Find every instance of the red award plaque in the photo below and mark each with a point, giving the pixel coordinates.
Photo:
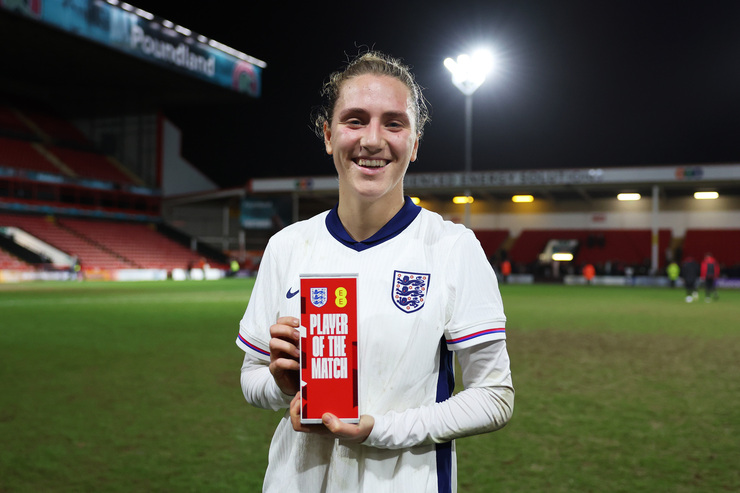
(329, 369)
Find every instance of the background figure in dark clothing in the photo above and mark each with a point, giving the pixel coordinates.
(690, 274)
(709, 274)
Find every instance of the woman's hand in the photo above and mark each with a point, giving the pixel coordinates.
(284, 354)
(332, 425)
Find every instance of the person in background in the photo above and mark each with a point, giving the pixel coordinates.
(709, 275)
(690, 274)
(506, 269)
(589, 272)
(233, 267)
(673, 271)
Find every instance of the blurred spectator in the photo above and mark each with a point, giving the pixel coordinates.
(506, 269)
(233, 268)
(690, 274)
(673, 271)
(588, 273)
(709, 275)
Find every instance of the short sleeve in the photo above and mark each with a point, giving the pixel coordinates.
(475, 312)
(262, 310)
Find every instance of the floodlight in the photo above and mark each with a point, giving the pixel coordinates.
(463, 199)
(183, 30)
(628, 196)
(706, 195)
(470, 71)
(143, 13)
(522, 198)
(562, 257)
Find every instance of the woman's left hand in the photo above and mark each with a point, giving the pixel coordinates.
(332, 425)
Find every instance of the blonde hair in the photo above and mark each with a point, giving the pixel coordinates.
(376, 63)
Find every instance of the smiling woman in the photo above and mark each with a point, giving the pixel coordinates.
(372, 139)
(424, 289)
(371, 123)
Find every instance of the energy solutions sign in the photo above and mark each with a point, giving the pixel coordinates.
(139, 33)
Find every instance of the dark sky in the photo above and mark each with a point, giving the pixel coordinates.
(581, 83)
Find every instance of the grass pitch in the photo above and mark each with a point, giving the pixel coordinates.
(112, 387)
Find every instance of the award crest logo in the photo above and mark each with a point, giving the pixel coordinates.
(409, 290)
(318, 297)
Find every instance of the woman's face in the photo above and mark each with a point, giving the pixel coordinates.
(372, 137)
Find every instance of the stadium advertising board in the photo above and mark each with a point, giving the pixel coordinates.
(141, 34)
(515, 178)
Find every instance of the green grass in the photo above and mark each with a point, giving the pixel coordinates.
(113, 387)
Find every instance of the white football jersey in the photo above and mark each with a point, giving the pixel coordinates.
(425, 288)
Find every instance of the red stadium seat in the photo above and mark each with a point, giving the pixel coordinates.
(627, 246)
(723, 244)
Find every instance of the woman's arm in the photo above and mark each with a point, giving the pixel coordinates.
(485, 405)
(259, 387)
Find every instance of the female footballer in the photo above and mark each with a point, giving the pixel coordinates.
(371, 124)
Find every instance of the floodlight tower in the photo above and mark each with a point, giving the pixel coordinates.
(468, 74)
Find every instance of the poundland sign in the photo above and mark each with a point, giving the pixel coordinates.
(143, 35)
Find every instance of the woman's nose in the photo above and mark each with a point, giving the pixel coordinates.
(372, 139)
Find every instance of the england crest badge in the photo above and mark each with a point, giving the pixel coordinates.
(409, 290)
(318, 297)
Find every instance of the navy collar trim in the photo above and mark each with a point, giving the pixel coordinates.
(393, 228)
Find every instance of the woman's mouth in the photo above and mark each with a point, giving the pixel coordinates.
(371, 163)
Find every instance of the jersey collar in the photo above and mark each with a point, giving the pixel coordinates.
(393, 228)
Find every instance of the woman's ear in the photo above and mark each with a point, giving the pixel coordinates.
(327, 138)
(416, 148)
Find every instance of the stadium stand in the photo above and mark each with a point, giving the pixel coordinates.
(8, 261)
(38, 140)
(47, 229)
(723, 244)
(32, 139)
(12, 125)
(598, 247)
(54, 128)
(138, 243)
(23, 154)
(109, 244)
(35, 145)
(90, 165)
(491, 240)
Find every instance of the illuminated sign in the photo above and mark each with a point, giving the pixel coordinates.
(145, 36)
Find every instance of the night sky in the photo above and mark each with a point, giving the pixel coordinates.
(580, 83)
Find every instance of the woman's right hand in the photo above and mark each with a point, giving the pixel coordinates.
(284, 354)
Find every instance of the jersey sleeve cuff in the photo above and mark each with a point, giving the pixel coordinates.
(476, 335)
(250, 346)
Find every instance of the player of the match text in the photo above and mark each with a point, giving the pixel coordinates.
(328, 345)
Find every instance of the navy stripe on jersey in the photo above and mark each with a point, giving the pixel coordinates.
(393, 228)
(476, 335)
(445, 386)
(252, 346)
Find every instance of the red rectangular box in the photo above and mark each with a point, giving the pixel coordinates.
(329, 369)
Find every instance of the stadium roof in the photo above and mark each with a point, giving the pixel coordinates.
(564, 184)
(43, 64)
(567, 186)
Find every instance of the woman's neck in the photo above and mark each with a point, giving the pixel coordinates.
(363, 219)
